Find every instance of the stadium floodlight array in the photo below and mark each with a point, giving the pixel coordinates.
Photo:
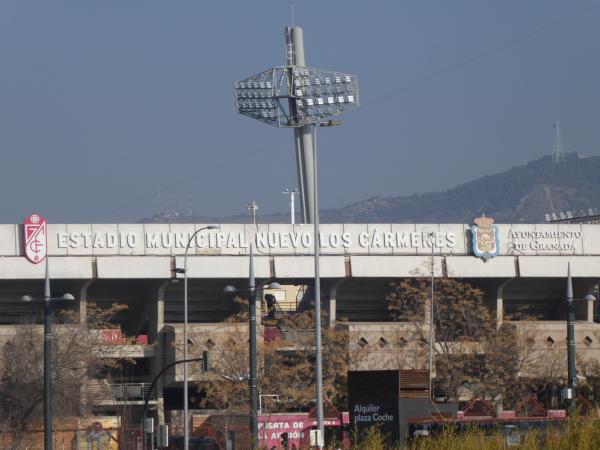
(294, 96)
(560, 216)
(570, 217)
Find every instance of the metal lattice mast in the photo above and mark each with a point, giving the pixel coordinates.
(559, 151)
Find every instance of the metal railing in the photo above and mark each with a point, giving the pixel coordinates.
(102, 392)
(131, 391)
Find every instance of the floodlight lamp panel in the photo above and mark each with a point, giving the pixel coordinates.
(316, 95)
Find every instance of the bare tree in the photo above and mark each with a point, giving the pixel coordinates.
(285, 363)
(473, 355)
(77, 352)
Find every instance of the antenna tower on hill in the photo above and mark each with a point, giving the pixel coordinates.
(559, 151)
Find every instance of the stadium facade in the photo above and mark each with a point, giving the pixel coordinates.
(520, 267)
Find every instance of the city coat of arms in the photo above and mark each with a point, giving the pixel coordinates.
(485, 238)
(35, 243)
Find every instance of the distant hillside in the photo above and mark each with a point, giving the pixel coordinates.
(520, 194)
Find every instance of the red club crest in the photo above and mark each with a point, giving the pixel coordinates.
(35, 242)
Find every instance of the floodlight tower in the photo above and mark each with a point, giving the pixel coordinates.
(302, 98)
(298, 97)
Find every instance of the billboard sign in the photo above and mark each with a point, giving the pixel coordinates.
(374, 398)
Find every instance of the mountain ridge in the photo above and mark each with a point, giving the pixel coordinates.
(520, 194)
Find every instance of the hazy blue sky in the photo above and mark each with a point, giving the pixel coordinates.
(104, 103)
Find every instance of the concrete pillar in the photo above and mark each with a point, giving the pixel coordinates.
(500, 302)
(584, 310)
(83, 300)
(593, 290)
(332, 302)
(590, 311)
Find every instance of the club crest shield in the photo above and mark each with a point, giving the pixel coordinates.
(35, 238)
(485, 238)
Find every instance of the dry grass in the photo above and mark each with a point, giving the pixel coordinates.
(578, 434)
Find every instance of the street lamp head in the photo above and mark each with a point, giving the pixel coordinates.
(27, 298)
(67, 296)
(274, 285)
(229, 289)
(589, 298)
(211, 227)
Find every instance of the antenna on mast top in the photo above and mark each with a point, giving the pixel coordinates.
(292, 8)
(559, 151)
(190, 211)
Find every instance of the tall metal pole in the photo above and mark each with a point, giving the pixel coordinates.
(572, 374)
(318, 344)
(186, 420)
(47, 364)
(303, 136)
(252, 350)
(292, 193)
(431, 322)
(293, 207)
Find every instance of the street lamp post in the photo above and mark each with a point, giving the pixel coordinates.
(431, 329)
(186, 430)
(252, 350)
(47, 356)
(252, 379)
(571, 369)
(318, 343)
